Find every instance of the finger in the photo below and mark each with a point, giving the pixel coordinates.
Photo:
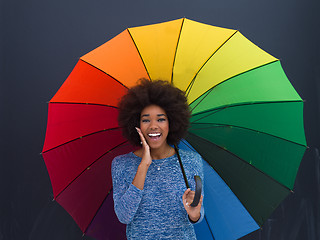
(187, 192)
(139, 132)
(143, 140)
(190, 196)
(201, 200)
(184, 196)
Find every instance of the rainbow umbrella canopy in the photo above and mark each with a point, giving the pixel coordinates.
(247, 123)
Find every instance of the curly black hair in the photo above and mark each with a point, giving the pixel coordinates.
(162, 94)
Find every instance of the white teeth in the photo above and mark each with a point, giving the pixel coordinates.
(154, 134)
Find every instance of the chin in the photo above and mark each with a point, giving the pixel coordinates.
(156, 145)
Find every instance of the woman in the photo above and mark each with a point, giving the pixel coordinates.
(148, 186)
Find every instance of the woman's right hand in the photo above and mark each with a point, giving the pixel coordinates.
(146, 160)
(146, 156)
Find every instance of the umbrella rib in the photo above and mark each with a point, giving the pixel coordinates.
(187, 145)
(205, 95)
(145, 67)
(103, 72)
(109, 129)
(218, 109)
(175, 54)
(205, 218)
(209, 91)
(245, 162)
(89, 167)
(194, 78)
(249, 129)
(84, 232)
(96, 104)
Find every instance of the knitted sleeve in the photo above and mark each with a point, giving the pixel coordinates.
(126, 196)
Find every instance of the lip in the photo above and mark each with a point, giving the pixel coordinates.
(154, 136)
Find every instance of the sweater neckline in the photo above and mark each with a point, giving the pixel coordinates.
(155, 160)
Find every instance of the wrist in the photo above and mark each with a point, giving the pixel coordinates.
(144, 165)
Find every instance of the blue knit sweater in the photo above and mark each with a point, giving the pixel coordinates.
(157, 211)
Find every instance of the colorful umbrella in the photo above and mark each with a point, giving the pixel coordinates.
(247, 123)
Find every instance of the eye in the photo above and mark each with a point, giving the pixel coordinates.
(145, 120)
(162, 120)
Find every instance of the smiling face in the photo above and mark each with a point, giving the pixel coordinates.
(154, 125)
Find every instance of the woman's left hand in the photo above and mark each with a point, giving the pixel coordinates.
(193, 212)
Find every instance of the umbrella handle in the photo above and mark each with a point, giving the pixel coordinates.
(198, 191)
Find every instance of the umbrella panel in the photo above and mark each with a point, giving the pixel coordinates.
(68, 122)
(226, 215)
(259, 193)
(157, 45)
(68, 161)
(236, 56)
(105, 225)
(121, 54)
(197, 43)
(267, 83)
(274, 118)
(86, 84)
(90, 189)
(275, 155)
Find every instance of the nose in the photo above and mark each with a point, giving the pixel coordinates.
(153, 125)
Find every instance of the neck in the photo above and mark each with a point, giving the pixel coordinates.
(160, 153)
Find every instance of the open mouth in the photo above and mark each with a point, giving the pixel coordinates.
(154, 136)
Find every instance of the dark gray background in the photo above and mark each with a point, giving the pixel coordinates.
(41, 42)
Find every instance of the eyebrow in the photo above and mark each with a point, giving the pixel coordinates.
(158, 115)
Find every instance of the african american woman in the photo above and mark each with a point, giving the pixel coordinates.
(149, 190)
